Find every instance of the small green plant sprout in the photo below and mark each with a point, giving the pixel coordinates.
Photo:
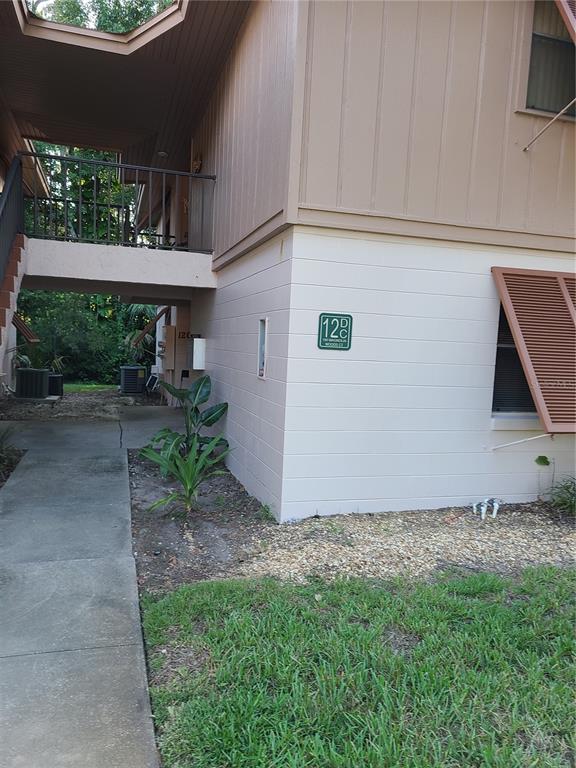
(265, 513)
(563, 496)
(189, 470)
(195, 418)
(542, 461)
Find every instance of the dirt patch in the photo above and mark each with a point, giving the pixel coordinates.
(171, 548)
(400, 642)
(173, 660)
(104, 404)
(230, 536)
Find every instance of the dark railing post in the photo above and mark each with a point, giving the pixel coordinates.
(65, 184)
(19, 195)
(177, 212)
(136, 190)
(165, 240)
(94, 194)
(189, 238)
(149, 205)
(80, 201)
(108, 211)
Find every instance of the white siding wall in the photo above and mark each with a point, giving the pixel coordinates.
(254, 287)
(403, 419)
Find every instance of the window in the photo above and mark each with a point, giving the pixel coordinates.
(551, 80)
(262, 344)
(511, 390)
(540, 306)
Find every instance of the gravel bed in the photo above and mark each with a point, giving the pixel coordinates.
(416, 543)
(229, 535)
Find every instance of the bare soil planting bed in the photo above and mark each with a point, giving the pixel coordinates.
(229, 535)
(99, 404)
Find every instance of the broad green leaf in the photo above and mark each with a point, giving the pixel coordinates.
(180, 394)
(161, 435)
(222, 443)
(200, 390)
(214, 413)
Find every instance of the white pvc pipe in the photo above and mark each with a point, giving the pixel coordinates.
(517, 442)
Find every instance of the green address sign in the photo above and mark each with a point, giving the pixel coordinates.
(334, 331)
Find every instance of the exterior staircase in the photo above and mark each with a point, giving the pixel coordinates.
(12, 256)
(9, 289)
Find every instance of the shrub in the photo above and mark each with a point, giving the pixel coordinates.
(563, 496)
(195, 418)
(188, 470)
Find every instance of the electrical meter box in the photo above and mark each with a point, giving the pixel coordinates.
(198, 354)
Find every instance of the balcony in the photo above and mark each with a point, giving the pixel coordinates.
(79, 200)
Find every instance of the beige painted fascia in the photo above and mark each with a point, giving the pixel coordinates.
(268, 229)
(104, 41)
(369, 221)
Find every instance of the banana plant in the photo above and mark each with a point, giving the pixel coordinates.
(195, 418)
(188, 470)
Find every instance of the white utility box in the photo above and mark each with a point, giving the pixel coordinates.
(198, 354)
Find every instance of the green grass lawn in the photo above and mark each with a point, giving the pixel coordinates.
(466, 672)
(86, 386)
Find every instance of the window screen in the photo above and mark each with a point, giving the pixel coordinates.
(511, 390)
(551, 81)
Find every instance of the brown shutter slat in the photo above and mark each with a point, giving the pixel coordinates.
(541, 310)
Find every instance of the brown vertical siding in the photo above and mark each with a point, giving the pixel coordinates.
(244, 135)
(411, 112)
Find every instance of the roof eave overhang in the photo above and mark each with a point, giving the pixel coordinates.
(104, 41)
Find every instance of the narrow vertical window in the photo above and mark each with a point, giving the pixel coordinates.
(262, 344)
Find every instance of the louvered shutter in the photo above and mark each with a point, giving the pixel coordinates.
(541, 311)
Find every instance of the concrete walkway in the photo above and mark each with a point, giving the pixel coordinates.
(73, 689)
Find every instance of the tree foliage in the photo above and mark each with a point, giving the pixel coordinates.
(88, 201)
(117, 16)
(89, 331)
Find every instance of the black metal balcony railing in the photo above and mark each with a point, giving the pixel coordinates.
(95, 201)
(10, 212)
